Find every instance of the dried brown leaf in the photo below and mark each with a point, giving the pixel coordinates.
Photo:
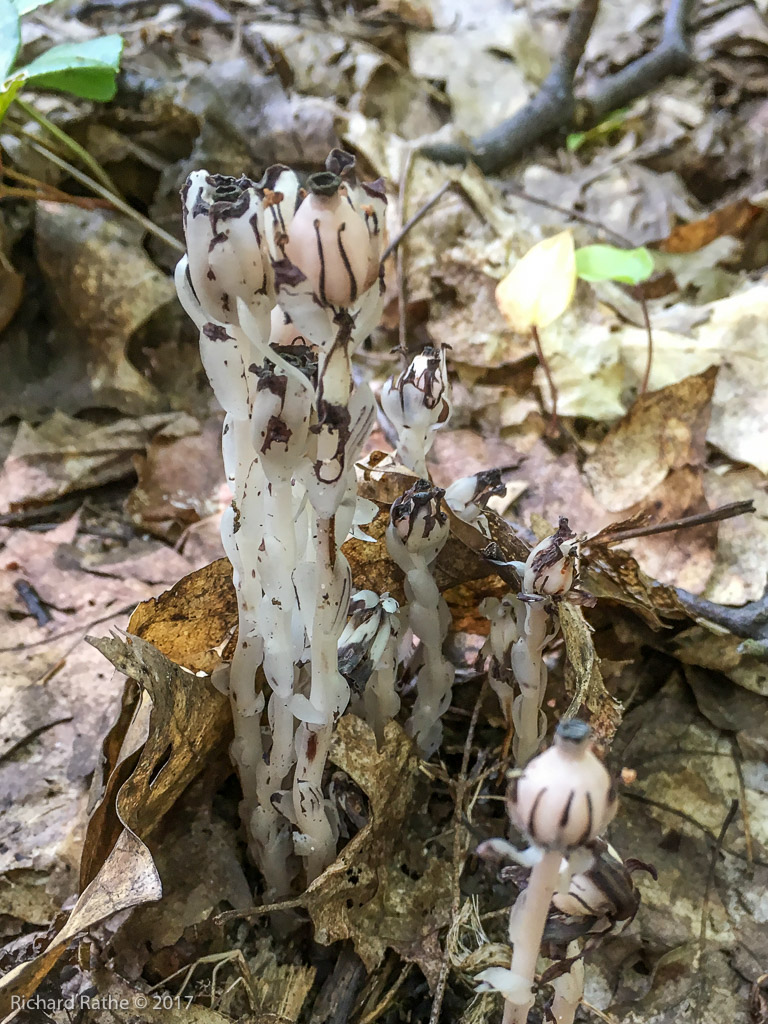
(127, 879)
(374, 893)
(664, 430)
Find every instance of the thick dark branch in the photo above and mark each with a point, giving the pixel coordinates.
(556, 108)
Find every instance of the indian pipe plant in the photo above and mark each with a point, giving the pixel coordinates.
(284, 282)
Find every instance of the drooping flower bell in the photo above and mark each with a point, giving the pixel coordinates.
(419, 520)
(551, 568)
(565, 797)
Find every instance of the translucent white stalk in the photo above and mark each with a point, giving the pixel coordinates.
(417, 532)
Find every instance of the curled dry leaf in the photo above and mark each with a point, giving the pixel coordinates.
(127, 879)
(375, 893)
(146, 769)
(583, 662)
(189, 722)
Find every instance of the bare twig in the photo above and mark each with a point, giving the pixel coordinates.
(414, 220)
(555, 107)
(705, 902)
(715, 515)
(750, 621)
(547, 372)
(118, 203)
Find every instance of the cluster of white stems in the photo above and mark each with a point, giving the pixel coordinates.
(283, 283)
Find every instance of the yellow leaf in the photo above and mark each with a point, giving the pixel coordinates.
(539, 288)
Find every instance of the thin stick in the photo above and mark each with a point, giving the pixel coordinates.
(705, 902)
(715, 515)
(743, 802)
(118, 203)
(414, 220)
(400, 260)
(647, 322)
(547, 372)
(386, 1002)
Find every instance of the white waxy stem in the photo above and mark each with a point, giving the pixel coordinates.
(416, 534)
(417, 403)
(561, 801)
(568, 989)
(521, 629)
(292, 433)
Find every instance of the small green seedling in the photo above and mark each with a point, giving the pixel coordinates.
(85, 69)
(607, 263)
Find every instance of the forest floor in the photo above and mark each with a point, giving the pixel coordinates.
(111, 492)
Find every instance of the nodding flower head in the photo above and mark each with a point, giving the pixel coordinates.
(417, 399)
(223, 225)
(334, 239)
(418, 518)
(552, 567)
(469, 496)
(564, 797)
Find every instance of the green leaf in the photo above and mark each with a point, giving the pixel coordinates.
(607, 263)
(25, 6)
(10, 38)
(85, 69)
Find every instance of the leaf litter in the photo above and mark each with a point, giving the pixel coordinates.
(117, 390)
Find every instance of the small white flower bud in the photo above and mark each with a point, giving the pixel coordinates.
(564, 797)
(418, 519)
(224, 231)
(551, 568)
(469, 496)
(417, 399)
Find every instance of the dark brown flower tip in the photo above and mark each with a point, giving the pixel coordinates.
(341, 163)
(324, 183)
(573, 730)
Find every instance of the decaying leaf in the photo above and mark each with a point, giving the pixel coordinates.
(64, 454)
(378, 892)
(589, 689)
(187, 622)
(127, 879)
(664, 430)
(188, 723)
